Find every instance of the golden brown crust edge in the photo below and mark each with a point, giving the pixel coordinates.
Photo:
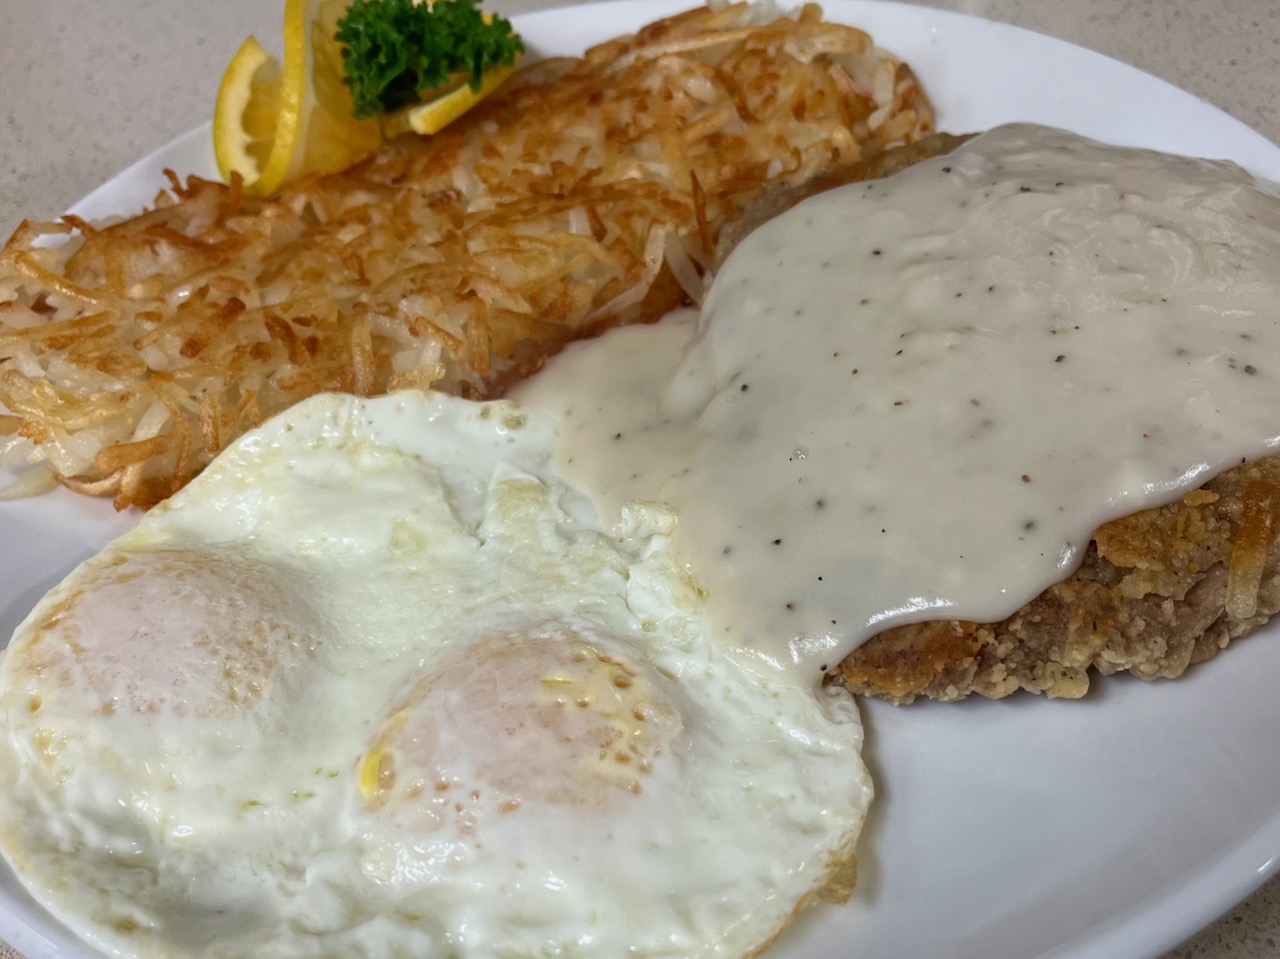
(1158, 592)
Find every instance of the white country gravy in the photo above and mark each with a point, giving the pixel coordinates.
(915, 398)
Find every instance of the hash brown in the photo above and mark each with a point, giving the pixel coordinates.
(587, 192)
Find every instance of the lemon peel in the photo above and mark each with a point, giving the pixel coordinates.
(434, 115)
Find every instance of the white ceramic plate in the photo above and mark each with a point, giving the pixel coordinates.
(1110, 827)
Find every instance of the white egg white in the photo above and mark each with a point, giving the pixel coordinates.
(378, 684)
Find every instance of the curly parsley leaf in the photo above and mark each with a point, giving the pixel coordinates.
(394, 49)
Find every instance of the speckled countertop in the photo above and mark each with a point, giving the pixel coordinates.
(89, 86)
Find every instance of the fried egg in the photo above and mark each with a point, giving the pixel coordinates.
(380, 684)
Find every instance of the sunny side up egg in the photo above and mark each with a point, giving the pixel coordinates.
(378, 684)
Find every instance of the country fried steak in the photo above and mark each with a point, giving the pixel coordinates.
(1157, 591)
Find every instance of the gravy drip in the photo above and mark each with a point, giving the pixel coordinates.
(915, 398)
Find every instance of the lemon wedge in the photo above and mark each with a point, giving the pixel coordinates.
(437, 113)
(274, 122)
(244, 118)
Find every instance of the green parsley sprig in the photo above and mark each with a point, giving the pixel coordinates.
(394, 49)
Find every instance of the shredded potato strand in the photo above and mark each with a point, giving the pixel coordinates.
(587, 193)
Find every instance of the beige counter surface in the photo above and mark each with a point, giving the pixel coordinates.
(89, 86)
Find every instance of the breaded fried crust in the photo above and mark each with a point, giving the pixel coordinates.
(1158, 591)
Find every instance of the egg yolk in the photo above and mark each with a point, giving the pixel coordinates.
(182, 632)
(555, 719)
